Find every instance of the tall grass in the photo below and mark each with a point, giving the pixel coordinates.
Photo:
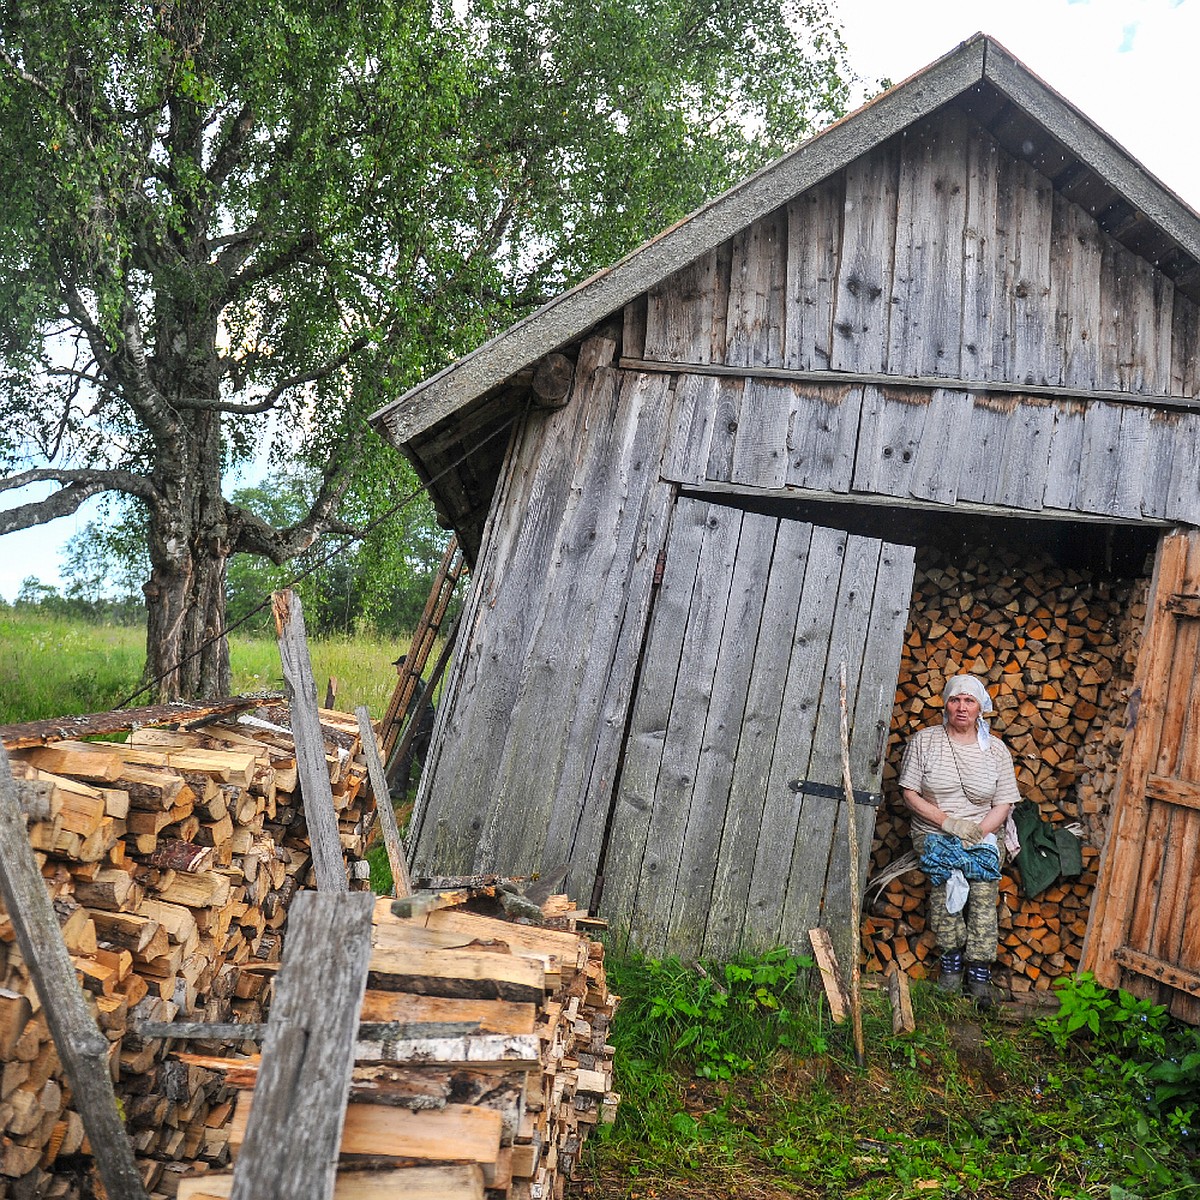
(55, 666)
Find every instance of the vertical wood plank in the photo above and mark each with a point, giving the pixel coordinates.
(814, 224)
(1034, 353)
(760, 451)
(647, 735)
(1112, 460)
(1164, 432)
(925, 330)
(864, 285)
(979, 478)
(871, 689)
(725, 426)
(1185, 347)
(798, 714)
(749, 787)
(890, 431)
(942, 447)
(757, 289)
(813, 850)
(1066, 449)
(695, 409)
(295, 1127)
(823, 437)
(1183, 495)
(707, 810)
(1075, 292)
(679, 314)
(693, 688)
(1025, 461)
(981, 307)
(319, 814)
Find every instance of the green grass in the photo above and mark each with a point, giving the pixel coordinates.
(52, 666)
(735, 1084)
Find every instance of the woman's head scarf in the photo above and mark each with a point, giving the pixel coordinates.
(956, 685)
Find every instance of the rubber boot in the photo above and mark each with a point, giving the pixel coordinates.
(979, 984)
(950, 975)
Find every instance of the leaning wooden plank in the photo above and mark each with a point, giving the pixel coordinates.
(472, 974)
(82, 1048)
(459, 1181)
(319, 813)
(292, 1143)
(902, 1012)
(58, 729)
(397, 857)
(456, 1133)
(831, 975)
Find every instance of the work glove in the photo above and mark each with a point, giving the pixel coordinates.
(967, 832)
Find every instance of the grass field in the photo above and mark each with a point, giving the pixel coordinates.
(54, 666)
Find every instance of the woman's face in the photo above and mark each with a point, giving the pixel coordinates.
(963, 712)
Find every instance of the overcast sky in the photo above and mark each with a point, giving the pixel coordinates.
(1130, 65)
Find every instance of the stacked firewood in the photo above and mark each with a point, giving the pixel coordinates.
(1055, 648)
(170, 861)
(496, 1068)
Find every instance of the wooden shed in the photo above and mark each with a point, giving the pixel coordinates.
(696, 484)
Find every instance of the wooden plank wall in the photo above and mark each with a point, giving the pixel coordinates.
(531, 726)
(938, 255)
(715, 844)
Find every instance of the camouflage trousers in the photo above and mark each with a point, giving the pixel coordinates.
(975, 930)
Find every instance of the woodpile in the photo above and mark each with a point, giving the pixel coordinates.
(494, 1068)
(1055, 648)
(171, 861)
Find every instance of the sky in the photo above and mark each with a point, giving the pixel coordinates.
(1129, 65)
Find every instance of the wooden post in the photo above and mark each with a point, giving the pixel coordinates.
(299, 1107)
(401, 883)
(319, 813)
(81, 1046)
(855, 899)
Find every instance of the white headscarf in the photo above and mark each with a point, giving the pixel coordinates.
(956, 685)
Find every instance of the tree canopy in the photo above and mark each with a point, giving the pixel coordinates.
(229, 230)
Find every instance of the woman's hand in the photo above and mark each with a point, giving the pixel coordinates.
(967, 832)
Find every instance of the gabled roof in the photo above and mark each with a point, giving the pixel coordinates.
(1028, 118)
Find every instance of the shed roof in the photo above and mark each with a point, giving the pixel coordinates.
(1020, 110)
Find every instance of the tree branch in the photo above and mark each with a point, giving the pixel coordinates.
(78, 486)
(284, 385)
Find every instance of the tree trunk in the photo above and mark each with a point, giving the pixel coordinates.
(187, 653)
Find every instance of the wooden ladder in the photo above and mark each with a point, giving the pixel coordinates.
(451, 569)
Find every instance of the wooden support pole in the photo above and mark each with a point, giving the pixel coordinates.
(319, 813)
(855, 898)
(401, 883)
(81, 1046)
(295, 1127)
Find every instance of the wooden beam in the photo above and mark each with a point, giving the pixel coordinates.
(903, 1020)
(831, 974)
(300, 685)
(290, 1151)
(397, 858)
(1173, 791)
(82, 1048)
(711, 491)
(921, 382)
(66, 729)
(1157, 968)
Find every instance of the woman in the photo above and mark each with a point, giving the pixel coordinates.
(958, 781)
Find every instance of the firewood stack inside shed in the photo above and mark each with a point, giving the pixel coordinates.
(1055, 647)
(171, 861)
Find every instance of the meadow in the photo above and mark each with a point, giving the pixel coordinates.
(57, 666)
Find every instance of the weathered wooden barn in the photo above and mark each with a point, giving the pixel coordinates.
(696, 484)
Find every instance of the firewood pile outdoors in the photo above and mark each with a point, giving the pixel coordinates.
(1056, 649)
(482, 1061)
(171, 861)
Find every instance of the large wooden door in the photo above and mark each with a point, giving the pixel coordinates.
(729, 824)
(1144, 930)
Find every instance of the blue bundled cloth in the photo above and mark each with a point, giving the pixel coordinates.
(943, 855)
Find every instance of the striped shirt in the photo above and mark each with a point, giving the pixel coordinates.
(963, 781)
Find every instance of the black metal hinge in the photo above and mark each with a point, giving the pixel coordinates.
(829, 791)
